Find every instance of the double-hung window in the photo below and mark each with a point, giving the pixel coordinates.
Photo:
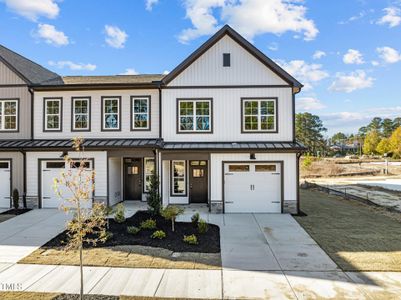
(259, 115)
(195, 116)
(8, 115)
(53, 114)
(111, 113)
(148, 170)
(81, 114)
(178, 175)
(140, 110)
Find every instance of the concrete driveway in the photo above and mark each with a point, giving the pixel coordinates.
(25, 233)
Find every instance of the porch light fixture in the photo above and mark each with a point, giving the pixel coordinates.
(252, 156)
(63, 154)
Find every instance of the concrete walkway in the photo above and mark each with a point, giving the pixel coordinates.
(264, 257)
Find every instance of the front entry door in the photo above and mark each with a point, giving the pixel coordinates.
(198, 183)
(132, 179)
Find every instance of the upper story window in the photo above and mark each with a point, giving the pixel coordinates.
(8, 115)
(53, 114)
(259, 115)
(111, 113)
(80, 114)
(140, 110)
(226, 59)
(195, 116)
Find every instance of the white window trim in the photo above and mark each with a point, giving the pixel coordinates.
(81, 114)
(172, 178)
(145, 189)
(117, 113)
(274, 100)
(59, 114)
(134, 113)
(3, 116)
(194, 115)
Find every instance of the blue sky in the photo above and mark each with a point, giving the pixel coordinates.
(346, 52)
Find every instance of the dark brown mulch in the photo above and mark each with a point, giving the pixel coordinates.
(15, 212)
(208, 242)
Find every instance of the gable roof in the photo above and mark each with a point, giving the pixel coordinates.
(31, 72)
(227, 30)
(113, 79)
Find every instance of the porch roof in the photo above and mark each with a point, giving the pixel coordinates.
(272, 146)
(88, 143)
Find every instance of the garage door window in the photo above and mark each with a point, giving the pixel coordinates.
(55, 165)
(178, 178)
(77, 165)
(265, 168)
(3, 165)
(238, 168)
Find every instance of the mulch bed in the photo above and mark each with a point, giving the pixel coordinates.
(208, 242)
(15, 212)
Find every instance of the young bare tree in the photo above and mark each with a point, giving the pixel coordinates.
(75, 187)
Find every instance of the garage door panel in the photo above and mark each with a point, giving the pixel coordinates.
(253, 187)
(5, 180)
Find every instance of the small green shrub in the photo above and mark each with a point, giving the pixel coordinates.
(108, 235)
(148, 224)
(119, 215)
(195, 219)
(15, 199)
(307, 162)
(158, 234)
(190, 239)
(133, 230)
(203, 226)
(170, 213)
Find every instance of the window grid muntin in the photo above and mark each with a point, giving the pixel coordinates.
(260, 110)
(140, 113)
(53, 113)
(8, 115)
(196, 114)
(80, 115)
(179, 177)
(114, 110)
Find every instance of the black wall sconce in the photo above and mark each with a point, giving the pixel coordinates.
(252, 156)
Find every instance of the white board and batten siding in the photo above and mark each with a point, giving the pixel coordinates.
(227, 114)
(100, 167)
(289, 180)
(96, 117)
(245, 69)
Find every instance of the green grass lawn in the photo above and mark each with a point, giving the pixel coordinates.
(358, 237)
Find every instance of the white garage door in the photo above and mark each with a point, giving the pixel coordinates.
(51, 170)
(5, 178)
(252, 187)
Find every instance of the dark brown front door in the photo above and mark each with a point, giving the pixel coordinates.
(132, 179)
(198, 181)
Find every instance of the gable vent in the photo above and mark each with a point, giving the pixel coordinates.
(226, 59)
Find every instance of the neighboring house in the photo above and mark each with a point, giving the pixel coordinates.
(219, 129)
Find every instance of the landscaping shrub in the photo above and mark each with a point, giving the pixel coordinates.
(148, 224)
(203, 227)
(190, 239)
(119, 215)
(133, 230)
(108, 236)
(153, 196)
(158, 234)
(170, 213)
(195, 219)
(15, 199)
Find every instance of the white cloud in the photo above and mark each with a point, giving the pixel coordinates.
(273, 46)
(249, 17)
(306, 73)
(72, 66)
(129, 71)
(389, 55)
(392, 17)
(115, 37)
(353, 57)
(51, 35)
(165, 72)
(150, 3)
(374, 63)
(318, 54)
(354, 81)
(33, 9)
(308, 104)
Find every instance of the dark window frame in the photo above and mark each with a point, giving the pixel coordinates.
(17, 123)
(226, 60)
(60, 99)
(73, 99)
(132, 119)
(103, 98)
(211, 112)
(276, 118)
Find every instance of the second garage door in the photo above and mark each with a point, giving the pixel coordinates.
(252, 187)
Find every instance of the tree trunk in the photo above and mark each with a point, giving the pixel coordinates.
(81, 294)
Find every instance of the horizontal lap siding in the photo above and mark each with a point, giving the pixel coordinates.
(100, 159)
(227, 114)
(290, 180)
(96, 116)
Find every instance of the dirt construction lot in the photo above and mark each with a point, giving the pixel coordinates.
(356, 236)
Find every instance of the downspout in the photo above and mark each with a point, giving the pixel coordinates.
(299, 154)
(32, 112)
(24, 177)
